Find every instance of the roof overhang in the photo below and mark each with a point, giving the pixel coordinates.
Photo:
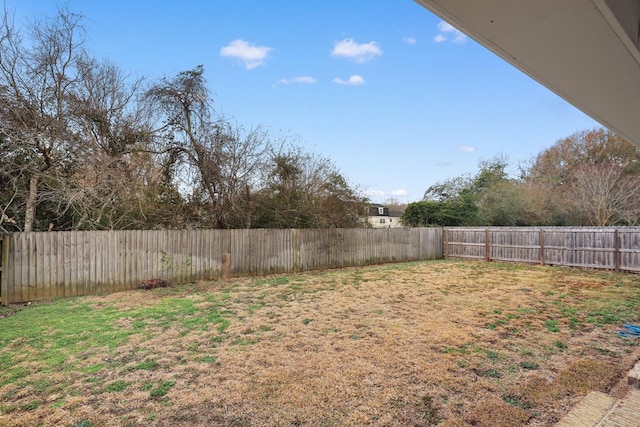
(586, 51)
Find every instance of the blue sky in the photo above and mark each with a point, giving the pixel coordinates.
(396, 98)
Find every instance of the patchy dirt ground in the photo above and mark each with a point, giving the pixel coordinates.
(435, 343)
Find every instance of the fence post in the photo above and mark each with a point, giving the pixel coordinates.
(446, 243)
(487, 247)
(4, 269)
(542, 246)
(616, 249)
(226, 266)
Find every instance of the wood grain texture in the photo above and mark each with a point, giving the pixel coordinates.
(42, 265)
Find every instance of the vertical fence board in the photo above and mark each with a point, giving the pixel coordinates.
(78, 264)
(137, 255)
(108, 268)
(19, 267)
(31, 269)
(4, 273)
(58, 264)
(37, 257)
(88, 258)
(129, 255)
(167, 246)
(211, 242)
(153, 254)
(13, 287)
(57, 275)
(46, 266)
(98, 248)
(66, 264)
(142, 258)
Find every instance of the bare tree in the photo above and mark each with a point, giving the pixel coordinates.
(577, 180)
(37, 78)
(394, 204)
(113, 169)
(75, 138)
(218, 161)
(605, 194)
(12, 182)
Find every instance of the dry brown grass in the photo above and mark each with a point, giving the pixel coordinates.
(435, 343)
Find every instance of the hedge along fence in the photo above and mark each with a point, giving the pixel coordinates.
(43, 265)
(611, 248)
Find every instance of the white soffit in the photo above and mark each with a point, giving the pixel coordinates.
(586, 51)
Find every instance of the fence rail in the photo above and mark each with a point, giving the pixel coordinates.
(611, 248)
(47, 265)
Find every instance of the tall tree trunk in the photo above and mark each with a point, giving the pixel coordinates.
(30, 210)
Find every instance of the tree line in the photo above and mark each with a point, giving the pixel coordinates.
(589, 178)
(85, 145)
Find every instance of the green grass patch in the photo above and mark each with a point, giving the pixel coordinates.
(492, 355)
(551, 325)
(117, 386)
(39, 385)
(147, 365)
(243, 342)
(59, 334)
(602, 317)
(13, 375)
(92, 369)
(54, 332)
(463, 349)
(529, 365)
(161, 389)
(272, 281)
(255, 307)
(31, 406)
(488, 373)
(82, 423)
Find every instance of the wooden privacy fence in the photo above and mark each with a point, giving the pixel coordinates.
(47, 265)
(611, 248)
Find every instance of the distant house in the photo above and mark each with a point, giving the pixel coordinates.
(380, 217)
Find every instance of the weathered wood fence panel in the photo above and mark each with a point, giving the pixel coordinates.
(611, 248)
(58, 264)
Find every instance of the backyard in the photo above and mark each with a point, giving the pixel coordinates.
(447, 343)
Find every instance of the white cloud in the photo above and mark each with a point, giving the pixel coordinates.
(459, 38)
(399, 193)
(354, 80)
(409, 40)
(250, 55)
(466, 149)
(358, 52)
(445, 27)
(439, 38)
(447, 31)
(301, 79)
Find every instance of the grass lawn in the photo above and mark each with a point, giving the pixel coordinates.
(445, 343)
